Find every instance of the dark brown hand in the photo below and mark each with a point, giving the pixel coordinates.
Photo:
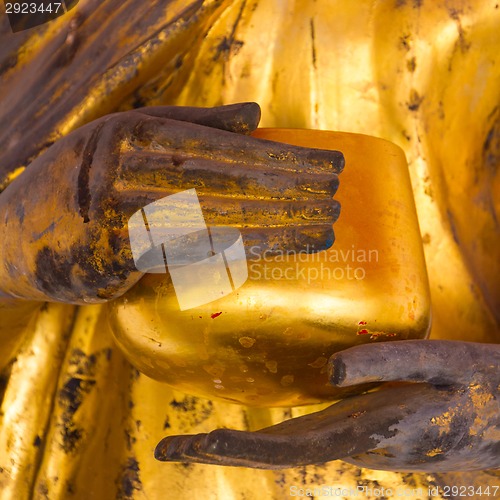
(63, 222)
(446, 419)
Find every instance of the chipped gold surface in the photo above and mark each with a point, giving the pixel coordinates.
(485, 407)
(434, 452)
(443, 421)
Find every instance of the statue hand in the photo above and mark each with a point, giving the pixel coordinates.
(64, 220)
(446, 419)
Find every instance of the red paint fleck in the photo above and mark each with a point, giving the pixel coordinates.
(391, 334)
(363, 332)
(214, 315)
(362, 323)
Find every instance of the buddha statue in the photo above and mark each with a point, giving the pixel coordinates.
(113, 106)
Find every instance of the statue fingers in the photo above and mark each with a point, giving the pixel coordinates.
(439, 362)
(350, 427)
(227, 174)
(279, 205)
(188, 139)
(242, 118)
